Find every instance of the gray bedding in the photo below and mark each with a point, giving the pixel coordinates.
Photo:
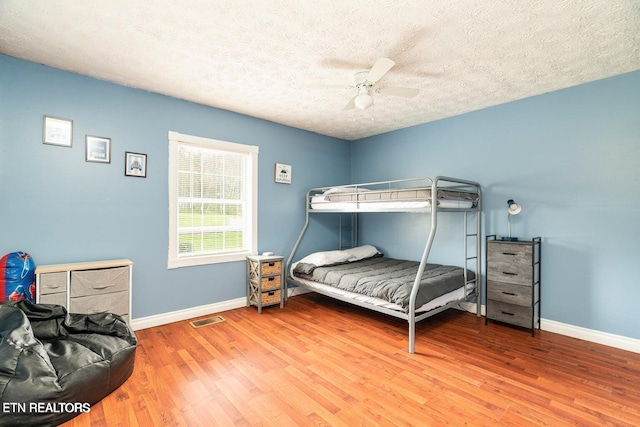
(387, 278)
(406, 194)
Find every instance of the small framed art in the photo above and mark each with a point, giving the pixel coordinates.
(283, 173)
(135, 164)
(98, 149)
(57, 131)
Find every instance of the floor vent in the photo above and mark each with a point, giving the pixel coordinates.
(207, 321)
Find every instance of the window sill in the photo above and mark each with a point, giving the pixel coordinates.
(206, 260)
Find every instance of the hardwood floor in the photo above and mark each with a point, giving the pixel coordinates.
(321, 362)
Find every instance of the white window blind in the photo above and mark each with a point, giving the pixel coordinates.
(213, 193)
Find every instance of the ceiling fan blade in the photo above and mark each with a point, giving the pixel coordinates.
(405, 92)
(379, 69)
(351, 104)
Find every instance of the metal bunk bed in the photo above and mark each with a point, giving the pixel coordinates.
(410, 195)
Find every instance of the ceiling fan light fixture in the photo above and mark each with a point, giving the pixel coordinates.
(364, 101)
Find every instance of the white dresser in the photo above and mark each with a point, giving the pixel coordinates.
(87, 287)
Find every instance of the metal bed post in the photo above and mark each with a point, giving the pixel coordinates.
(477, 257)
(352, 226)
(295, 246)
(478, 252)
(423, 263)
(427, 250)
(466, 252)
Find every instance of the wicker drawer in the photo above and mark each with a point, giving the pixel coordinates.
(270, 297)
(102, 281)
(53, 283)
(60, 299)
(273, 267)
(510, 313)
(269, 283)
(116, 302)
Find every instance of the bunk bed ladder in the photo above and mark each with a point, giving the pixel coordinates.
(348, 230)
(474, 257)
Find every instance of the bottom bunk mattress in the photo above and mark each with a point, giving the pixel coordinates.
(445, 299)
(386, 282)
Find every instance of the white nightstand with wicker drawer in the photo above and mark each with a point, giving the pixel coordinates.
(265, 281)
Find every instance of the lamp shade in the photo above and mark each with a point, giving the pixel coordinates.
(514, 208)
(364, 101)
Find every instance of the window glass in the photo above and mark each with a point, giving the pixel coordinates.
(212, 200)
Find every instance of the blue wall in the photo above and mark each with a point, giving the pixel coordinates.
(571, 158)
(60, 208)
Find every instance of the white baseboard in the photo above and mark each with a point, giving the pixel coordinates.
(189, 313)
(611, 340)
(605, 338)
(203, 310)
(471, 307)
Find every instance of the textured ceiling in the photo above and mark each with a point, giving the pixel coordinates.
(265, 58)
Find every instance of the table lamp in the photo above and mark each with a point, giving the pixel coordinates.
(513, 208)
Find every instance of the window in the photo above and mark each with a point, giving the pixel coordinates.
(212, 200)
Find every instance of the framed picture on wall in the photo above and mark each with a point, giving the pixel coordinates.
(57, 131)
(98, 149)
(135, 164)
(283, 173)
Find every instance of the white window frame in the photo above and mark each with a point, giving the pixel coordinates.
(176, 140)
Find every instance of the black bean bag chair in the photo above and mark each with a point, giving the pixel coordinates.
(55, 365)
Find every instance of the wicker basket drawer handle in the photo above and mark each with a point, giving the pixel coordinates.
(271, 264)
(271, 279)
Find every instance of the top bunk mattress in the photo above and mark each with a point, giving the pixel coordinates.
(357, 198)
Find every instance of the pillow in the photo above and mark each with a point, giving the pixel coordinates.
(336, 190)
(326, 258)
(362, 252)
(302, 269)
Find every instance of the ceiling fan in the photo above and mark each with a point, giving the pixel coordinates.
(365, 80)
